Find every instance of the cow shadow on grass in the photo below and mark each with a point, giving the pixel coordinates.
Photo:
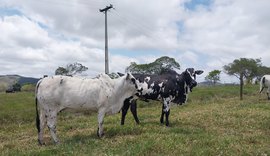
(114, 132)
(176, 127)
(146, 126)
(81, 139)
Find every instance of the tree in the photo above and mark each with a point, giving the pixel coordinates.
(71, 69)
(113, 75)
(61, 71)
(213, 76)
(262, 70)
(158, 66)
(244, 69)
(17, 87)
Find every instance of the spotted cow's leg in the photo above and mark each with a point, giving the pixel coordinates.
(166, 103)
(162, 114)
(101, 114)
(51, 123)
(167, 117)
(125, 110)
(133, 109)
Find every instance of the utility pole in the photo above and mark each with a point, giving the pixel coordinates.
(106, 38)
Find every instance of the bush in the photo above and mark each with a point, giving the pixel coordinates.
(3, 87)
(28, 87)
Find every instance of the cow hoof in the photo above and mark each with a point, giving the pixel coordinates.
(161, 121)
(41, 143)
(137, 121)
(57, 142)
(100, 134)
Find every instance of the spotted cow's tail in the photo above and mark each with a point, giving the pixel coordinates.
(262, 84)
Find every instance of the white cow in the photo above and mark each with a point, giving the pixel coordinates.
(102, 94)
(265, 83)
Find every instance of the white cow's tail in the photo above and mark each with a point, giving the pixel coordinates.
(37, 112)
(37, 116)
(262, 84)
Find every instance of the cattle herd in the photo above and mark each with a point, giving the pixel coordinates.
(109, 96)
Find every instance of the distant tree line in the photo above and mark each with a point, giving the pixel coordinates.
(71, 69)
(160, 65)
(245, 69)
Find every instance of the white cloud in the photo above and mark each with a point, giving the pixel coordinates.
(22, 32)
(47, 34)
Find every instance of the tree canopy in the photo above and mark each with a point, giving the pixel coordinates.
(248, 68)
(71, 69)
(158, 66)
(262, 70)
(243, 68)
(213, 76)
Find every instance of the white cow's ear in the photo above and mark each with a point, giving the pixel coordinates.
(120, 74)
(128, 76)
(198, 72)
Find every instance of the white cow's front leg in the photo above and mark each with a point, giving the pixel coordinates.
(51, 123)
(101, 115)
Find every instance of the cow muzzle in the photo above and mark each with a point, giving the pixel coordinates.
(139, 92)
(193, 84)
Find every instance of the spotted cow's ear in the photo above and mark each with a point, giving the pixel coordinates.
(177, 77)
(198, 72)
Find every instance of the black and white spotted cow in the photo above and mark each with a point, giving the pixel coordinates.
(101, 94)
(265, 83)
(167, 87)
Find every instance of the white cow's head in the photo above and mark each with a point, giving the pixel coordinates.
(132, 82)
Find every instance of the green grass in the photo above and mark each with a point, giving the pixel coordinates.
(214, 122)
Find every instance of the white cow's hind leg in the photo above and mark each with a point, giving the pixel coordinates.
(268, 91)
(51, 123)
(101, 115)
(41, 125)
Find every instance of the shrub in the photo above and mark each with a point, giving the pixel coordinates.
(28, 87)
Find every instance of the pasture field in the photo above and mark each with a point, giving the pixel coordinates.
(214, 122)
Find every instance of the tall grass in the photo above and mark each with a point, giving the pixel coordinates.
(214, 122)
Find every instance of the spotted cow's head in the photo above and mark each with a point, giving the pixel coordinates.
(190, 77)
(185, 82)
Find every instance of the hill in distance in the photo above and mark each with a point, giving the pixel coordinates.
(8, 80)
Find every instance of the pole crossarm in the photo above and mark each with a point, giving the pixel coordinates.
(106, 9)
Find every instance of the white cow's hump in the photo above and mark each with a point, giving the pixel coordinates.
(267, 77)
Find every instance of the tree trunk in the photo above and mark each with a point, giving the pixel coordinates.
(241, 86)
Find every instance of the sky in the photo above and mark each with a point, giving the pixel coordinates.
(39, 36)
